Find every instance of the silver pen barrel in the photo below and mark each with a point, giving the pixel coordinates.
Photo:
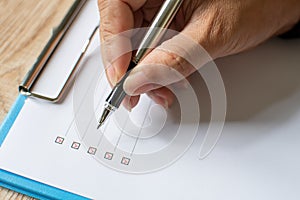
(158, 27)
(115, 98)
(117, 94)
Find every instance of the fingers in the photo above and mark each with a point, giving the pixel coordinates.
(116, 17)
(162, 96)
(130, 102)
(171, 62)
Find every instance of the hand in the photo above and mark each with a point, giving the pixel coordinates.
(221, 27)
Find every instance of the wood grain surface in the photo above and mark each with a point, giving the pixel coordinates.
(25, 28)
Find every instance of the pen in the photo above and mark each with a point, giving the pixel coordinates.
(155, 32)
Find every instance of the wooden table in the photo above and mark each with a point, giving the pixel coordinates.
(25, 27)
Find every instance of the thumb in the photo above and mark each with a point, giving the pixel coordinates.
(169, 63)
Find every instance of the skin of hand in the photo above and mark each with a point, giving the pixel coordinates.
(221, 27)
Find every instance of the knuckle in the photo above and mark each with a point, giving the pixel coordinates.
(108, 27)
(103, 5)
(177, 62)
(105, 30)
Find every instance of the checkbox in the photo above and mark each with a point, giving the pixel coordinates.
(75, 145)
(125, 161)
(92, 150)
(108, 156)
(59, 140)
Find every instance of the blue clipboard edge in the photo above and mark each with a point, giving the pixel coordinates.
(11, 117)
(19, 183)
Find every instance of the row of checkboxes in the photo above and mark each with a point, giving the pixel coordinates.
(60, 140)
(109, 156)
(92, 150)
(76, 145)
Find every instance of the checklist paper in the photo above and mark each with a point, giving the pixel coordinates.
(257, 156)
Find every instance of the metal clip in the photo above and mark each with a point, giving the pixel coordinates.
(32, 76)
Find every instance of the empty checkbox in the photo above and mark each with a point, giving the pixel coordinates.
(75, 145)
(59, 140)
(108, 156)
(125, 161)
(92, 150)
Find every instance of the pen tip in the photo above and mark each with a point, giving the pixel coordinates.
(99, 125)
(104, 116)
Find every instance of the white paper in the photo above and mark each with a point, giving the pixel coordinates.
(257, 156)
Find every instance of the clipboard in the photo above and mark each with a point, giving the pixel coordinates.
(232, 171)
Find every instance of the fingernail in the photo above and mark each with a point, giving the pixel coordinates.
(184, 84)
(133, 82)
(127, 107)
(112, 75)
(158, 99)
